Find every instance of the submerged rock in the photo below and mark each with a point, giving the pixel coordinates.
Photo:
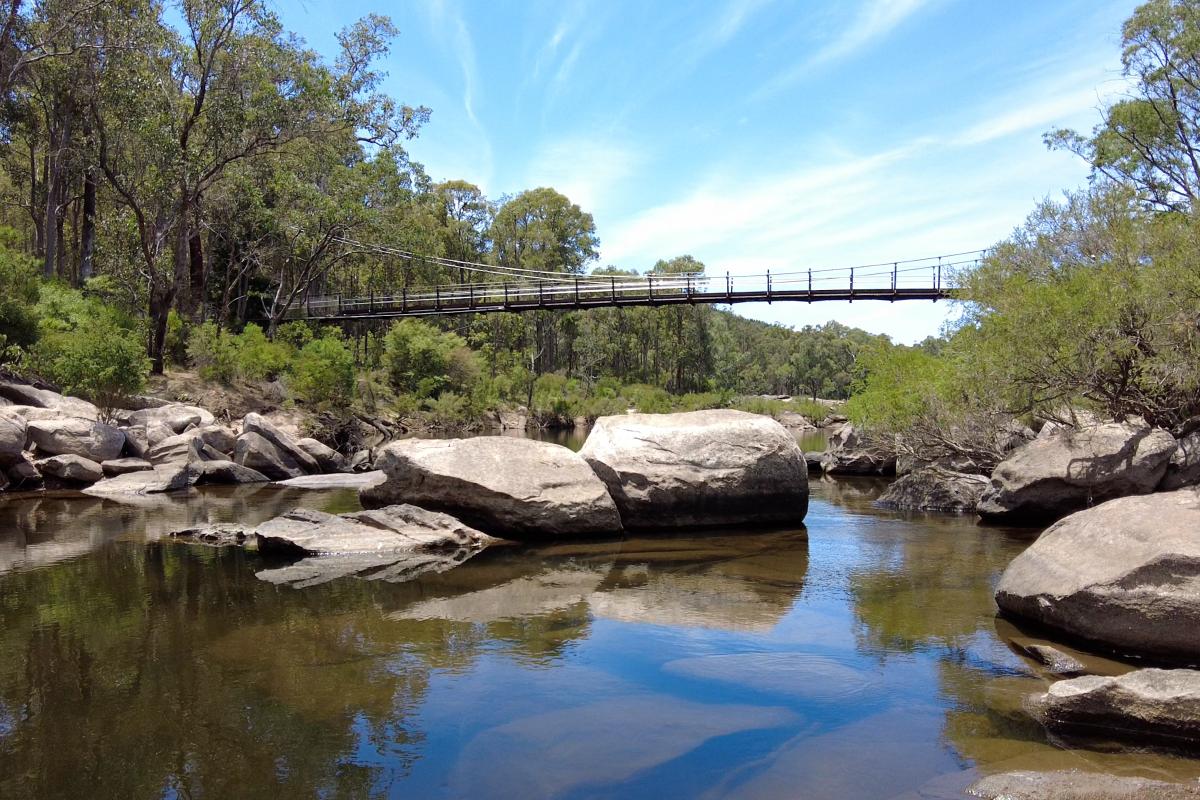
(1076, 785)
(1125, 574)
(519, 488)
(1158, 705)
(93, 440)
(934, 489)
(1072, 469)
(1056, 661)
(721, 467)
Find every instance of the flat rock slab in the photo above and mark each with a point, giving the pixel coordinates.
(1076, 785)
(165, 478)
(934, 489)
(1070, 469)
(121, 466)
(392, 529)
(350, 480)
(1125, 574)
(518, 488)
(1146, 705)
(702, 468)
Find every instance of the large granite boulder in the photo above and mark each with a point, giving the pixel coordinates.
(1075, 785)
(1184, 467)
(223, 471)
(721, 467)
(518, 488)
(176, 416)
(141, 439)
(210, 442)
(1123, 574)
(258, 453)
(163, 478)
(93, 440)
(1146, 705)
(328, 459)
(25, 395)
(849, 452)
(12, 438)
(70, 467)
(934, 489)
(1072, 469)
(284, 443)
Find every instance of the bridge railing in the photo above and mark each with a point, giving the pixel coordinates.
(597, 290)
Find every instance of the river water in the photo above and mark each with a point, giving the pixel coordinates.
(858, 657)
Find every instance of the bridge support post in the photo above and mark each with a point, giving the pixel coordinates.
(810, 285)
(650, 289)
(852, 284)
(404, 300)
(894, 275)
(728, 288)
(506, 294)
(613, 285)
(339, 304)
(437, 297)
(577, 292)
(371, 302)
(768, 286)
(470, 296)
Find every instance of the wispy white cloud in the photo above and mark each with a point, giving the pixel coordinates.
(874, 20)
(448, 23)
(585, 169)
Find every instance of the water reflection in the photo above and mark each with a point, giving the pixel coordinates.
(860, 658)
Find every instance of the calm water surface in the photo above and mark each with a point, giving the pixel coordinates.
(859, 658)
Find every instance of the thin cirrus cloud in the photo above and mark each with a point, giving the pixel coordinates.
(874, 20)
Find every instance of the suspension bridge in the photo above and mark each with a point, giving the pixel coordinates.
(506, 289)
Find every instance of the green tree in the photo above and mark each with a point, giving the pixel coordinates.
(1151, 140)
(540, 229)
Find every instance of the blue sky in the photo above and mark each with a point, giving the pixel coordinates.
(757, 134)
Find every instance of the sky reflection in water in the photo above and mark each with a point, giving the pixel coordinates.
(859, 659)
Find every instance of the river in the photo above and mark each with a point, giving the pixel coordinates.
(857, 658)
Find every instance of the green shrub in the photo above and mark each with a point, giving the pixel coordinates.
(214, 353)
(295, 334)
(19, 279)
(175, 347)
(258, 358)
(420, 359)
(323, 373)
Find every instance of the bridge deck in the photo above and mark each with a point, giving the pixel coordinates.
(494, 298)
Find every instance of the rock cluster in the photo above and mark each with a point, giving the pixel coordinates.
(637, 471)
(47, 439)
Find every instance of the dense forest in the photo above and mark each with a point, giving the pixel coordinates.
(177, 176)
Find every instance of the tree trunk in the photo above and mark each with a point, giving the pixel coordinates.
(87, 240)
